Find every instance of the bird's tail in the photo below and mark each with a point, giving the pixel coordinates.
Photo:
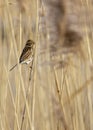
(13, 67)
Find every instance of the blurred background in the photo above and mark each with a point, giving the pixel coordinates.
(59, 95)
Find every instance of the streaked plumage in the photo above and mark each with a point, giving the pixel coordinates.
(27, 54)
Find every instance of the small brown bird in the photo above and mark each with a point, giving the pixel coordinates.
(27, 54)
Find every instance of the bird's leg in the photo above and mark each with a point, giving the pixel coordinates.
(30, 72)
(31, 67)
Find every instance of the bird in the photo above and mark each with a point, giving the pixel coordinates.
(27, 54)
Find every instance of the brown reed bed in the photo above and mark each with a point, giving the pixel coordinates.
(59, 95)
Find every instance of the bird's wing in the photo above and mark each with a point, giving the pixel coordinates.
(26, 53)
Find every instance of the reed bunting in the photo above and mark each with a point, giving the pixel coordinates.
(27, 54)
